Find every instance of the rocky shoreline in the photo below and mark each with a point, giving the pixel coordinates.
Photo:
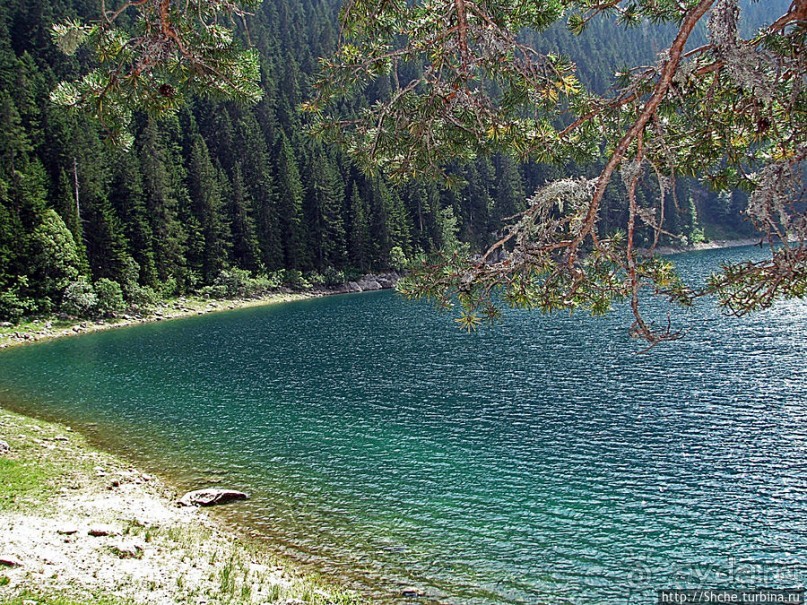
(186, 306)
(82, 527)
(711, 245)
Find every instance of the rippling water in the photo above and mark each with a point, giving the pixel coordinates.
(541, 461)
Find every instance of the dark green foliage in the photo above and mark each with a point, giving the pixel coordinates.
(129, 200)
(239, 283)
(207, 187)
(164, 191)
(109, 297)
(508, 192)
(323, 207)
(218, 190)
(220, 197)
(53, 257)
(246, 248)
(290, 207)
(15, 303)
(358, 231)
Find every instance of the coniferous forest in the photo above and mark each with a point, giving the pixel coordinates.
(222, 191)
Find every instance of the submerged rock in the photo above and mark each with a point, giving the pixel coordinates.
(211, 496)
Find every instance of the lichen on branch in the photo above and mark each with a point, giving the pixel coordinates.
(730, 112)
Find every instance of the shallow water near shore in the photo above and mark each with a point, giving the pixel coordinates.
(538, 461)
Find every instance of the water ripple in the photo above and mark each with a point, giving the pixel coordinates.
(535, 462)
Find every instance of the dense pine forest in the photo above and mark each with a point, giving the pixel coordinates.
(222, 192)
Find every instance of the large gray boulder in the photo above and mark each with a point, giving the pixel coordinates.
(368, 283)
(337, 289)
(387, 280)
(210, 496)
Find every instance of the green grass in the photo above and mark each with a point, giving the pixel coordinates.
(227, 577)
(40, 461)
(29, 473)
(28, 598)
(24, 482)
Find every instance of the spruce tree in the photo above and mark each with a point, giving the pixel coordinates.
(246, 246)
(129, 201)
(359, 240)
(162, 200)
(204, 186)
(324, 201)
(259, 180)
(290, 207)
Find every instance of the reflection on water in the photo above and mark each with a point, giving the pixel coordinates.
(537, 461)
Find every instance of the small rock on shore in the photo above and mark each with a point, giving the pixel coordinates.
(210, 497)
(9, 561)
(102, 530)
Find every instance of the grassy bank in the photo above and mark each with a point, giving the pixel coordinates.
(55, 491)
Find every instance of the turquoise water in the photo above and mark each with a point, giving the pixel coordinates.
(541, 461)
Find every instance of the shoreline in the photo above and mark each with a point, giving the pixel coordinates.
(51, 328)
(45, 329)
(126, 568)
(717, 244)
(83, 524)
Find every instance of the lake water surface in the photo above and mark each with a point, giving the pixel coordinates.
(539, 461)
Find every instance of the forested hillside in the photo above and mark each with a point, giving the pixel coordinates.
(221, 187)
